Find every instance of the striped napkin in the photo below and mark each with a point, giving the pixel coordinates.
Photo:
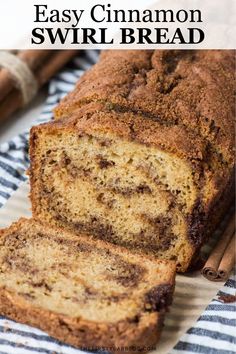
(213, 332)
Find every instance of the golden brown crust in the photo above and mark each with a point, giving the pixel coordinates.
(142, 332)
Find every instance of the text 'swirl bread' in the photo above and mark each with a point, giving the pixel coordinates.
(85, 292)
(143, 152)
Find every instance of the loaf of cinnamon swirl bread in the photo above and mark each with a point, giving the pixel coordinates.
(141, 153)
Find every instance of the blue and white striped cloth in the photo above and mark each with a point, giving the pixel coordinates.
(215, 330)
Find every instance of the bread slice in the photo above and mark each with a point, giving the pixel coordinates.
(86, 293)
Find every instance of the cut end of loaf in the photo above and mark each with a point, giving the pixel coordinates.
(117, 188)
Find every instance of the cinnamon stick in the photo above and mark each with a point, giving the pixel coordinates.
(33, 58)
(228, 261)
(222, 258)
(43, 63)
(10, 104)
(6, 83)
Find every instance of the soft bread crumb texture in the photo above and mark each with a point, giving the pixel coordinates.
(125, 193)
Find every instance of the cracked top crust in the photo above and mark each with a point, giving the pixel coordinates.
(193, 89)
